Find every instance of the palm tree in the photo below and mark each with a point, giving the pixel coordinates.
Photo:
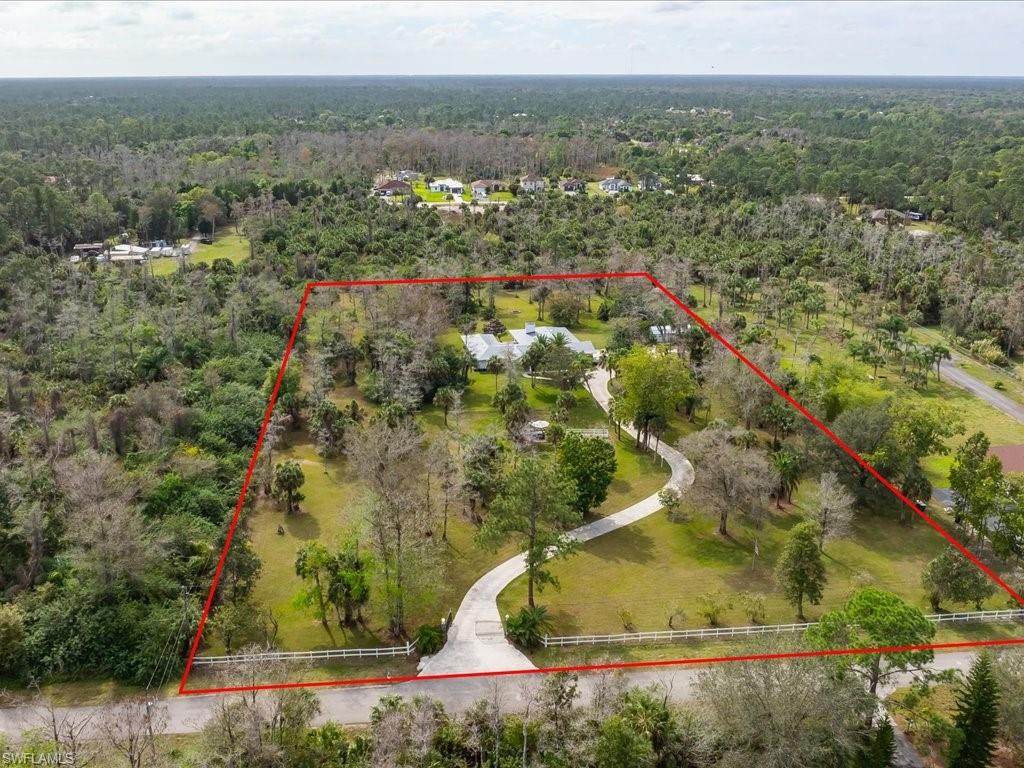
(496, 367)
(787, 465)
(288, 478)
(445, 398)
(939, 353)
(540, 295)
(533, 358)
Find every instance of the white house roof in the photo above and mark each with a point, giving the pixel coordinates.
(526, 337)
(484, 346)
(446, 183)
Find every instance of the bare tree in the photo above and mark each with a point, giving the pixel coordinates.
(832, 510)
(131, 726)
(727, 476)
(390, 459)
(109, 537)
(70, 730)
(742, 391)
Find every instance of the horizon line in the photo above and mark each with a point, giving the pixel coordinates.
(518, 75)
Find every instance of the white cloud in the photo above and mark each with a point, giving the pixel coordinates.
(488, 37)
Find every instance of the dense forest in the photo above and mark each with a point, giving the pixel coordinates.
(131, 400)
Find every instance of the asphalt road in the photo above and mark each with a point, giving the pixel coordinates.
(352, 705)
(952, 373)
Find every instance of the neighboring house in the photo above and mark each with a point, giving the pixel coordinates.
(663, 334)
(483, 346)
(916, 216)
(392, 187)
(531, 182)
(885, 216)
(648, 183)
(450, 186)
(613, 185)
(695, 178)
(482, 188)
(407, 175)
(574, 185)
(88, 249)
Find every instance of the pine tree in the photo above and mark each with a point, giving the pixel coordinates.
(977, 717)
(883, 748)
(801, 571)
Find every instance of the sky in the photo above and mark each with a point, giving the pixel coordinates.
(103, 39)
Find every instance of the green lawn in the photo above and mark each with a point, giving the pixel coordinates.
(330, 510)
(228, 246)
(515, 309)
(656, 566)
(331, 506)
(639, 474)
(798, 343)
(419, 187)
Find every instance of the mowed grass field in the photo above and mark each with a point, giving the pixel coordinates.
(333, 508)
(656, 567)
(228, 246)
(796, 345)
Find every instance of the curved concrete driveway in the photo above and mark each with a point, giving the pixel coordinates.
(476, 640)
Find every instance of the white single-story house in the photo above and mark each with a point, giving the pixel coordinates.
(484, 187)
(483, 346)
(446, 185)
(613, 185)
(407, 175)
(531, 182)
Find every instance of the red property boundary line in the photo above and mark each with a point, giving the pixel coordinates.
(589, 667)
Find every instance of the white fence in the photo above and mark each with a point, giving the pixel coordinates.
(602, 433)
(712, 633)
(328, 654)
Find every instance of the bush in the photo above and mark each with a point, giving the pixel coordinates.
(12, 634)
(429, 639)
(527, 628)
(753, 607)
(628, 622)
(712, 606)
(987, 350)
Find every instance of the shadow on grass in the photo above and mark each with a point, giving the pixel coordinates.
(301, 525)
(629, 545)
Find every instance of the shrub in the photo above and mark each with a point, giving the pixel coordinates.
(628, 622)
(527, 628)
(753, 607)
(672, 500)
(555, 433)
(712, 606)
(429, 639)
(987, 350)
